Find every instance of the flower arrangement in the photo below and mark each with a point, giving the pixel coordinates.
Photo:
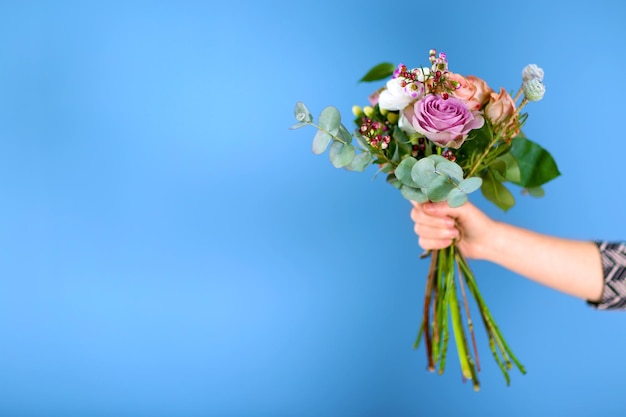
(439, 136)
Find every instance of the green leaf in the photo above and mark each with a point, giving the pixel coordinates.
(340, 155)
(413, 194)
(451, 170)
(496, 192)
(536, 165)
(303, 115)
(403, 171)
(344, 134)
(298, 126)
(320, 142)
(395, 182)
(380, 71)
(361, 161)
(457, 198)
(439, 188)
(507, 168)
(476, 143)
(469, 185)
(423, 172)
(400, 136)
(330, 120)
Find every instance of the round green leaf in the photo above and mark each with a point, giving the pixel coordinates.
(361, 161)
(439, 188)
(423, 172)
(330, 120)
(451, 169)
(303, 115)
(340, 155)
(320, 142)
(413, 194)
(403, 171)
(469, 185)
(457, 198)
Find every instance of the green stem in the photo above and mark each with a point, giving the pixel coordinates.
(335, 137)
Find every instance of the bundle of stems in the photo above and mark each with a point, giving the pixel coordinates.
(449, 269)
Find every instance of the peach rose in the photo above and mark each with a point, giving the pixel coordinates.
(473, 91)
(500, 107)
(483, 91)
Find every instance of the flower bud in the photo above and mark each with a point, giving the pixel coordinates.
(357, 111)
(532, 71)
(534, 89)
(368, 110)
(393, 117)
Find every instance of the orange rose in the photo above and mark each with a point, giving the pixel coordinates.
(500, 107)
(473, 91)
(483, 91)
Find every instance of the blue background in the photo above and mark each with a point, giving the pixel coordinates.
(169, 247)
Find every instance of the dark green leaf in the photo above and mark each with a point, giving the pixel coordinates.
(395, 182)
(536, 165)
(476, 143)
(340, 155)
(380, 71)
(496, 192)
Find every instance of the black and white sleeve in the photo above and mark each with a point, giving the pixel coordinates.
(613, 256)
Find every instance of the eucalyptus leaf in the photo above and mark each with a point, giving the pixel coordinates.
(302, 113)
(423, 172)
(536, 165)
(413, 194)
(439, 188)
(320, 142)
(344, 134)
(361, 141)
(340, 155)
(330, 120)
(380, 71)
(298, 126)
(450, 169)
(469, 185)
(457, 198)
(403, 171)
(361, 161)
(496, 192)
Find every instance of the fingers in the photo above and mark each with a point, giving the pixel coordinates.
(435, 228)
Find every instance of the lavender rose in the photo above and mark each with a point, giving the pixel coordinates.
(446, 122)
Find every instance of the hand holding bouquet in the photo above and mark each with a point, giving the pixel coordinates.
(439, 136)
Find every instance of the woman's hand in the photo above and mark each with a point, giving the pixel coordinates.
(438, 225)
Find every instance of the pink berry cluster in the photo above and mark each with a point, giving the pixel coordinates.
(375, 133)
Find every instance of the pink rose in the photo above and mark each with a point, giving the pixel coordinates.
(446, 122)
(500, 107)
(473, 91)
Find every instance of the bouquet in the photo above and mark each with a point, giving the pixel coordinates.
(439, 136)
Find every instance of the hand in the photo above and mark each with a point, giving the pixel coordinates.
(438, 226)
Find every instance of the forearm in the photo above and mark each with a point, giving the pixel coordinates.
(570, 266)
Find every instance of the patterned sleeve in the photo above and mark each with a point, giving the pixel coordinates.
(613, 256)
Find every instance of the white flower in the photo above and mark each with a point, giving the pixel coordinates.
(532, 71)
(394, 97)
(534, 89)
